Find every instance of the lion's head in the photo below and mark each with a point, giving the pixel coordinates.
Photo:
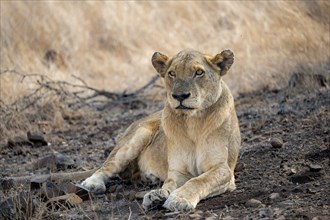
(192, 79)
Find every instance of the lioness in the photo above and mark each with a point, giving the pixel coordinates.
(192, 144)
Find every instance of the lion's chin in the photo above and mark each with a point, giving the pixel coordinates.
(183, 107)
(184, 110)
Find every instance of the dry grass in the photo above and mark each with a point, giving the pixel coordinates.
(109, 44)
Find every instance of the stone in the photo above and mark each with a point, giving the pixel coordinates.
(253, 203)
(315, 167)
(274, 196)
(276, 142)
(37, 138)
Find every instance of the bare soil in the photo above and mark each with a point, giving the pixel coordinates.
(289, 181)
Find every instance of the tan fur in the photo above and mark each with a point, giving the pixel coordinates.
(193, 146)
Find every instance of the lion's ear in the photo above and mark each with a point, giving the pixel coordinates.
(223, 60)
(159, 62)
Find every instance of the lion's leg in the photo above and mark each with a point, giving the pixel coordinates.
(153, 160)
(212, 182)
(138, 136)
(175, 177)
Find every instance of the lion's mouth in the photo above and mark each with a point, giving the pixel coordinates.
(184, 107)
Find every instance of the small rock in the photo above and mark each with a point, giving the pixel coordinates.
(292, 171)
(63, 161)
(281, 217)
(253, 203)
(276, 142)
(37, 138)
(274, 196)
(315, 167)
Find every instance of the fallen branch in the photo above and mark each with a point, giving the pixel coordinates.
(65, 90)
(10, 182)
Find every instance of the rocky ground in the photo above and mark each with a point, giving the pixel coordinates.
(282, 172)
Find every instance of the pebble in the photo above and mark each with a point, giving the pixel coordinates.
(292, 171)
(253, 203)
(63, 161)
(315, 167)
(37, 138)
(276, 142)
(274, 196)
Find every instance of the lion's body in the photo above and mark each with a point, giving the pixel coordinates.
(192, 144)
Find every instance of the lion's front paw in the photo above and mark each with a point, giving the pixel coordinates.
(94, 184)
(153, 196)
(176, 203)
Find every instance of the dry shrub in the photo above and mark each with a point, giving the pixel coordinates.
(109, 44)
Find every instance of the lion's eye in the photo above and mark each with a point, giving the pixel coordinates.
(171, 74)
(199, 73)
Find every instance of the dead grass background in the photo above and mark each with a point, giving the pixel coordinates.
(109, 44)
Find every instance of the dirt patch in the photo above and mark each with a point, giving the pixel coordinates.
(289, 181)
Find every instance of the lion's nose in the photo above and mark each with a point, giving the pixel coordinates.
(181, 97)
